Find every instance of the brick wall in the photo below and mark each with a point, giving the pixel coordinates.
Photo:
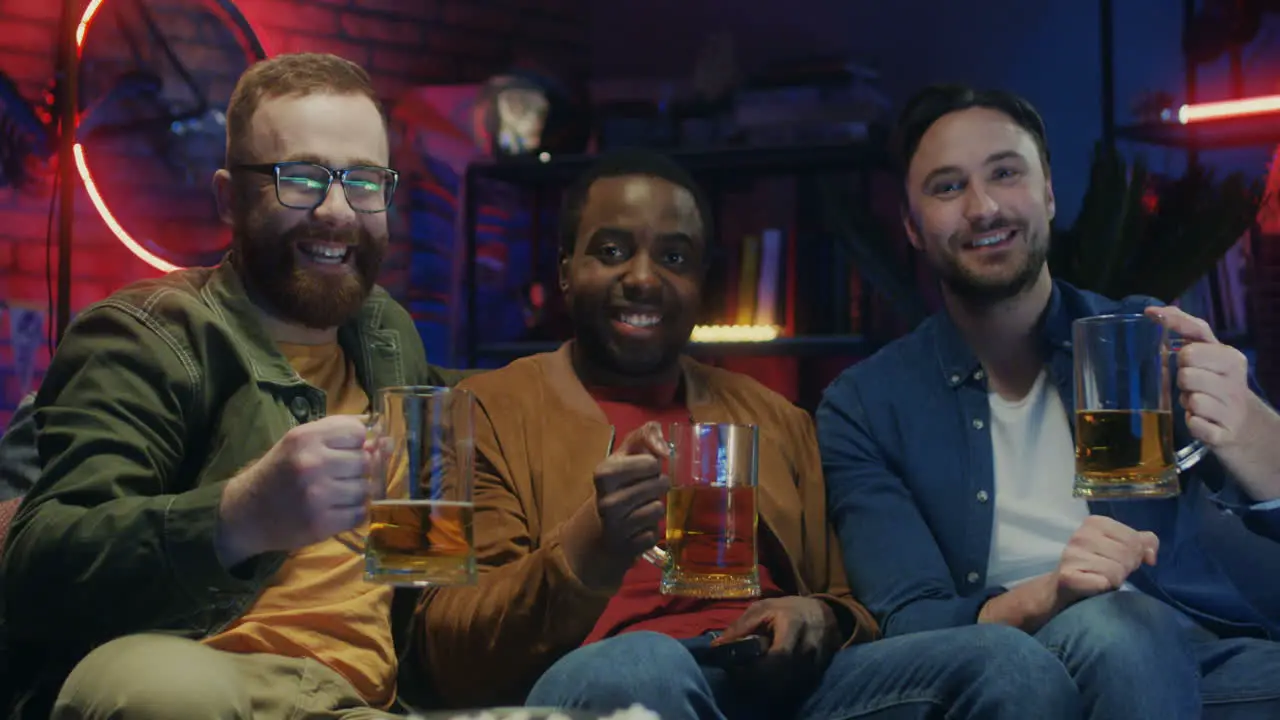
(402, 43)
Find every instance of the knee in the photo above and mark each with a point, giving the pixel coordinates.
(1003, 658)
(976, 670)
(614, 673)
(1118, 629)
(152, 676)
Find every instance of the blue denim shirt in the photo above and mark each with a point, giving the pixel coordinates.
(907, 454)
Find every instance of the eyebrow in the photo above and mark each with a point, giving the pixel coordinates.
(676, 236)
(992, 158)
(610, 233)
(312, 158)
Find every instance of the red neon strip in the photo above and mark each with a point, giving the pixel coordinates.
(1224, 109)
(96, 198)
(83, 27)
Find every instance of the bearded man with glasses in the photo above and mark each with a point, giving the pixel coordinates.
(186, 549)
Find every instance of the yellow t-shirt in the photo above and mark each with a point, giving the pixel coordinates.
(318, 604)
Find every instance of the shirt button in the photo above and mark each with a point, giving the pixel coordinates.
(972, 577)
(300, 407)
(955, 378)
(983, 496)
(978, 424)
(978, 375)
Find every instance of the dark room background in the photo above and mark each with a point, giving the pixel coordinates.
(1047, 50)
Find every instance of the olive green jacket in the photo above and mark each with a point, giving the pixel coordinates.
(155, 398)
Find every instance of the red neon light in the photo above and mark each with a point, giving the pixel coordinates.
(87, 177)
(1223, 109)
(83, 27)
(95, 197)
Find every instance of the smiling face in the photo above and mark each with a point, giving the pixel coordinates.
(980, 204)
(312, 267)
(634, 281)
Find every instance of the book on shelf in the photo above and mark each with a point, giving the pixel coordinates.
(748, 280)
(768, 299)
(779, 266)
(760, 285)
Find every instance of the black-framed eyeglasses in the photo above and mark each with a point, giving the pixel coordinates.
(305, 185)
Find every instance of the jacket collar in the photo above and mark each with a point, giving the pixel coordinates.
(568, 388)
(956, 359)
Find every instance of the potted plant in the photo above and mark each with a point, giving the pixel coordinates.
(1139, 235)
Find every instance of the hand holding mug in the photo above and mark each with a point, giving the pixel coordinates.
(1212, 380)
(620, 521)
(310, 485)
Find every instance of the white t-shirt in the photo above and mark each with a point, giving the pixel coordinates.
(1035, 514)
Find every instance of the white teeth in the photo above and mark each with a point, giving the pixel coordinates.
(641, 321)
(329, 254)
(991, 240)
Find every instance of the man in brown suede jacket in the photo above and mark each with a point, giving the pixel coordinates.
(566, 606)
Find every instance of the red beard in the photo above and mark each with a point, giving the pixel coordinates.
(315, 300)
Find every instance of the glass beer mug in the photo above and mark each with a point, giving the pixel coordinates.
(423, 474)
(711, 522)
(1124, 365)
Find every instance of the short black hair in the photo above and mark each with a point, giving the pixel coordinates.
(929, 105)
(620, 163)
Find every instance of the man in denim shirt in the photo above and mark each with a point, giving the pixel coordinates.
(949, 454)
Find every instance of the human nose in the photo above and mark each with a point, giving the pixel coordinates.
(334, 209)
(641, 277)
(979, 205)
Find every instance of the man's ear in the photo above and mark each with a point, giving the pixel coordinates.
(1050, 202)
(223, 195)
(562, 269)
(909, 225)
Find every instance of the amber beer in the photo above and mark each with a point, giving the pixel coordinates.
(422, 476)
(1123, 369)
(1129, 449)
(421, 542)
(711, 538)
(711, 512)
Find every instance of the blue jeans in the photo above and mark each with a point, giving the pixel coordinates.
(981, 671)
(1135, 657)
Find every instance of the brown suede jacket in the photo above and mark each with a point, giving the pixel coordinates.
(539, 436)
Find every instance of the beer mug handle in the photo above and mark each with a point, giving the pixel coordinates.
(656, 555)
(376, 446)
(1187, 457)
(354, 540)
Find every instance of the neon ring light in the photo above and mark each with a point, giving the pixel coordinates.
(82, 166)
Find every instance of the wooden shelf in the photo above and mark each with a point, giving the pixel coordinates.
(787, 346)
(560, 169)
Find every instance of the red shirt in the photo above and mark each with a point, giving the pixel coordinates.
(638, 604)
